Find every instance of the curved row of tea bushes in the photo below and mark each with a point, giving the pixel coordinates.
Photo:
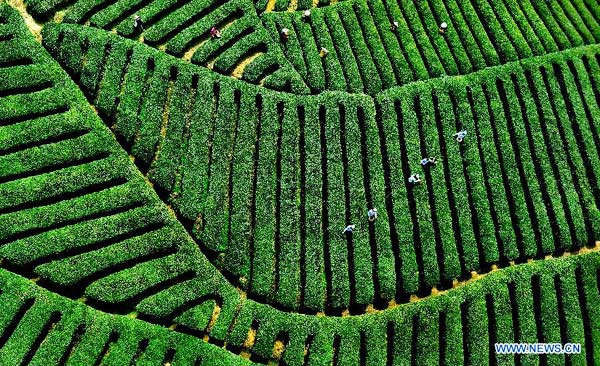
(366, 56)
(267, 181)
(38, 327)
(182, 28)
(219, 150)
(74, 210)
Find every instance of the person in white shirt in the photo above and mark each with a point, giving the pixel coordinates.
(349, 229)
(460, 136)
(443, 28)
(415, 179)
(428, 161)
(372, 214)
(137, 23)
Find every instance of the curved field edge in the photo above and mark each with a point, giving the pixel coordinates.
(267, 6)
(39, 327)
(72, 196)
(559, 278)
(182, 28)
(543, 301)
(365, 55)
(525, 187)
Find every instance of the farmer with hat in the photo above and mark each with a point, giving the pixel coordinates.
(349, 229)
(460, 135)
(372, 214)
(137, 23)
(428, 161)
(443, 28)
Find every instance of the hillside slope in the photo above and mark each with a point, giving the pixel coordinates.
(157, 212)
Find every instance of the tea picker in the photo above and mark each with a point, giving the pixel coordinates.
(443, 28)
(349, 229)
(138, 24)
(460, 136)
(372, 214)
(215, 33)
(415, 179)
(428, 161)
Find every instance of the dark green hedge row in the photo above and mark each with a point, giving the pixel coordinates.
(524, 181)
(41, 328)
(180, 28)
(373, 58)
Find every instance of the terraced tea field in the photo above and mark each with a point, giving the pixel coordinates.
(173, 197)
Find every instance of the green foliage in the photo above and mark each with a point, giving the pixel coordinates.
(225, 221)
(40, 327)
(508, 125)
(481, 34)
(74, 210)
(492, 199)
(183, 29)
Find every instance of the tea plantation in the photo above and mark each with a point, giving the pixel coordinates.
(176, 177)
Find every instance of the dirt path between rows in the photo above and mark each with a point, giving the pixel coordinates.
(34, 27)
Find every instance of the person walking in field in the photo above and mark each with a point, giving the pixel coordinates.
(285, 34)
(323, 52)
(372, 214)
(214, 32)
(428, 161)
(415, 179)
(460, 135)
(349, 229)
(137, 23)
(306, 15)
(443, 28)
(394, 26)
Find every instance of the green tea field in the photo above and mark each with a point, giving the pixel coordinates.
(299, 182)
